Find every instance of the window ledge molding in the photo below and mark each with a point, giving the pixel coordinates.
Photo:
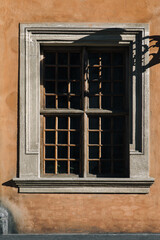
(82, 185)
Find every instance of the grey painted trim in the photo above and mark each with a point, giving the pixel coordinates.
(32, 36)
(84, 185)
(108, 236)
(3, 221)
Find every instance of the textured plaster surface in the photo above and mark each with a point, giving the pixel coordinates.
(53, 213)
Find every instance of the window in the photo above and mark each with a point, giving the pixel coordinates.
(84, 124)
(89, 138)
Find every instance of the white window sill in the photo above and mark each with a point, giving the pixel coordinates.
(84, 185)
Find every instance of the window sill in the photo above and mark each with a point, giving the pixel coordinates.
(89, 185)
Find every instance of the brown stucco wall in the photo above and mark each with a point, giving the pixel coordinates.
(46, 213)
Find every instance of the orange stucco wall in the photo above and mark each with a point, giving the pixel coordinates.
(46, 213)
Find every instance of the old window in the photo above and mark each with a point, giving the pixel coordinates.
(84, 114)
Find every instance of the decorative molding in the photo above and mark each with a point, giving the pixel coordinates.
(80, 185)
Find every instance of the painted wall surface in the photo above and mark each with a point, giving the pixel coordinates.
(48, 213)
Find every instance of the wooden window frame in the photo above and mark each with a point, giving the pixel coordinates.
(32, 37)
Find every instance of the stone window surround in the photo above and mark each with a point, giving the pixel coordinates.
(35, 35)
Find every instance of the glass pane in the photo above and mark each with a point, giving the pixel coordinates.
(106, 102)
(62, 58)
(93, 73)
(105, 167)
(49, 152)
(93, 152)
(50, 122)
(94, 123)
(93, 137)
(62, 167)
(50, 73)
(106, 74)
(93, 167)
(117, 59)
(75, 73)
(62, 137)
(106, 123)
(62, 87)
(62, 152)
(118, 123)
(74, 137)
(106, 138)
(74, 152)
(106, 152)
(62, 73)
(74, 58)
(118, 152)
(74, 167)
(93, 58)
(50, 101)
(118, 88)
(62, 101)
(75, 87)
(106, 88)
(118, 102)
(106, 59)
(50, 58)
(118, 138)
(75, 123)
(118, 73)
(49, 166)
(93, 102)
(75, 102)
(49, 87)
(93, 87)
(50, 137)
(63, 123)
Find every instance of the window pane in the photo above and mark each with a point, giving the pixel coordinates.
(75, 87)
(93, 87)
(75, 123)
(74, 58)
(106, 88)
(74, 152)
(50, 137)
(62, 58)
(93, 167)
(62, 152)
(50, 58)
(74, 167)
(62, 101)
(118, 73)
(117, 59)
(118, 152)
(50, 122)
(106, 102)
(118, 102)
(62, 137)
(118, 138)
(49, 166)
(75, 102)
(93, 58)
(118, 123)
(50, 101)
(62, 87)
(94, 102)
(49, 73)
(62, 73)
(106, 74)
(93, 137)
(118, 88)
(106, 123)
(49, 152)
(106, 138)
(75, 73)
(93, 73)
(74, 137)
(93, 152)
(62, 123)
(50, 87)
(106, 152)
(62, 167)
(119, 167)
(94, 123)
(106, 59)
(106, 167)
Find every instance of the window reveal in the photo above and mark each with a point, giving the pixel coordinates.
(91, 82)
